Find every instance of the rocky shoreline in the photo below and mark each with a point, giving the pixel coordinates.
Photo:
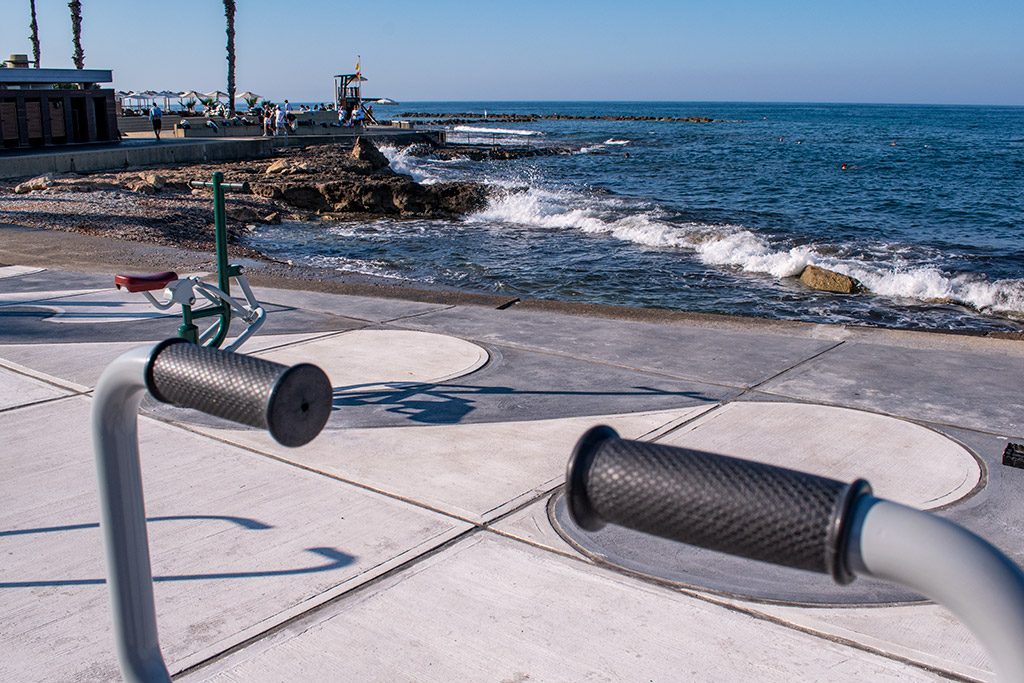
(156, 205)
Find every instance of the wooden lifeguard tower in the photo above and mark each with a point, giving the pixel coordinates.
(347, 91)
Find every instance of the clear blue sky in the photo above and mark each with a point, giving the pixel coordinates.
(914, 51)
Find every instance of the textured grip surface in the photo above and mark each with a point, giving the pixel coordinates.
(735, 506)
(293, 403)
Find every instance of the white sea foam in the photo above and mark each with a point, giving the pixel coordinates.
(495, 131)
(737, 247)
(350, 265)
(613, 141)
(402, 162)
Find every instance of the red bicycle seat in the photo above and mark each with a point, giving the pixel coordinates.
(145, 282)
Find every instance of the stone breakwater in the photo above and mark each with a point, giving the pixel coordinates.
(463, 118)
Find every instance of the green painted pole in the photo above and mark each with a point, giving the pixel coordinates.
(220, 225)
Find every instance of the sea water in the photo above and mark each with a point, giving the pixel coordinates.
(928, 213)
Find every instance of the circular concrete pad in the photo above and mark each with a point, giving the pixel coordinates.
(903, 461)
(361, 359)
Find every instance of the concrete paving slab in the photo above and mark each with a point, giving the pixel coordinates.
(532, 525)
(361, 360)
(967, 389)
(369, 309)
(904, 462)
(491, 609)
(8, 298)
(104, 307)
(472, 471)
(17, 389)
(721, 356)
(239, 543)
(926, 634)
(18, 271)
(77, 365)
(426, 460)
(24, 280)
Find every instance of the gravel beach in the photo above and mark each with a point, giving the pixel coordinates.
(149, 219)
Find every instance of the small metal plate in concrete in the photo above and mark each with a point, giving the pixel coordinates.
(904, 461)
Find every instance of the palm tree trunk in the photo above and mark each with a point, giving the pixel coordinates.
(76, 33)
(35, 34)
(229, 12)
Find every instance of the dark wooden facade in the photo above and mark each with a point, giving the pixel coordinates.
(44, 117)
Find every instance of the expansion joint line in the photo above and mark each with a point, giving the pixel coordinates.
(752, 389)
(310, 615)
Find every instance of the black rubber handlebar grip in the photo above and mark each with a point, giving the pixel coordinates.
(736, 506)
(292, 403)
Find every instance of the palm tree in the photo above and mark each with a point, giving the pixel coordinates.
(35, 33)
(76, 33)
(229, 12)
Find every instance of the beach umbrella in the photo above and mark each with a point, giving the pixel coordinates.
(217, 94)
(190, 95)
(140, 96)
(166, 95)
(248, 95)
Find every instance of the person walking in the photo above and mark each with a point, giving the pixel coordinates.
(156, 117)
(282, 122)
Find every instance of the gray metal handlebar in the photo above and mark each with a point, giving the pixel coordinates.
(799, 520)
(293, 403)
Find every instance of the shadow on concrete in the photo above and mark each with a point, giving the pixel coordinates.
(450, 403)
(334, 559)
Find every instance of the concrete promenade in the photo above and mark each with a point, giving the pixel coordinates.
(417, 538)
(145, 151)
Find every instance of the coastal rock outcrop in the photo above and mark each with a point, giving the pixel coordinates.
(362, 181)
(392, 195)
(39, 183)
(830, 281)
(364, 150)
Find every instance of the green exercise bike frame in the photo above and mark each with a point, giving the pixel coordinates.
(185, 292)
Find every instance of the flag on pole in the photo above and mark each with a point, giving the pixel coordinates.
(358, 59)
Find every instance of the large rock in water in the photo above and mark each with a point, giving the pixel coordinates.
(364, 150)
(829, 281)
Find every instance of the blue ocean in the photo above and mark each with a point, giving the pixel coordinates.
(924, 205)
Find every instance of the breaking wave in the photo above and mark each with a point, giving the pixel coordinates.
(742, 249)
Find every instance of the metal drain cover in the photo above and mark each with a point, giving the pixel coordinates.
(695, 568)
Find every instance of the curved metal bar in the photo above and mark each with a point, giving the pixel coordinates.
(950, 565)
(123, 516)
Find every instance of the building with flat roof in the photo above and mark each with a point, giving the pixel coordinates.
(45, 107)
